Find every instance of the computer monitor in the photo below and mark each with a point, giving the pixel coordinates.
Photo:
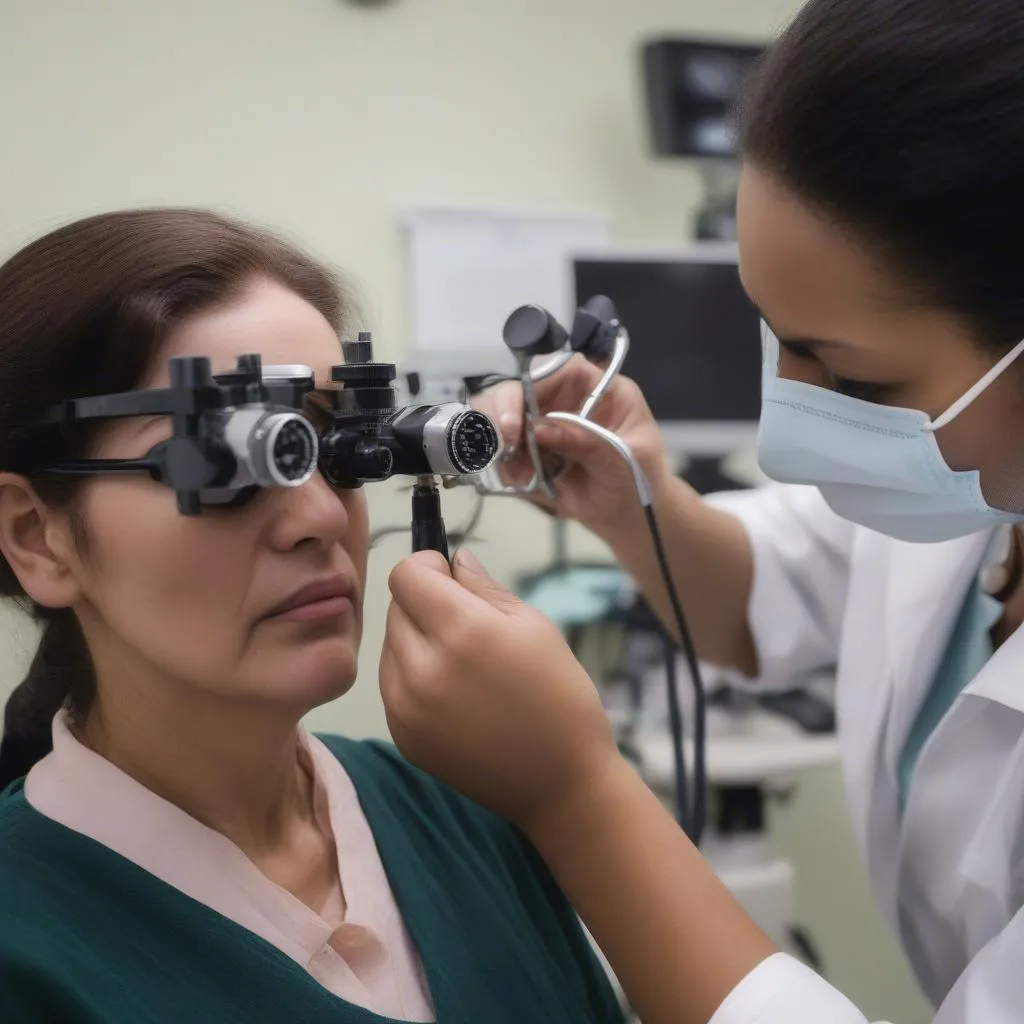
(691, 86)
(695, 340)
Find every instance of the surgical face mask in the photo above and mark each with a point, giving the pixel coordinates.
(875, 465)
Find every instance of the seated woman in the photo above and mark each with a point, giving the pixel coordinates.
(186, 851)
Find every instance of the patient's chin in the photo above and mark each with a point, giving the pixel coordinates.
(309, 676)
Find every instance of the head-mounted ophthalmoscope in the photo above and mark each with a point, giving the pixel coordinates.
(236, 432)
(231, 433)
(370, 438)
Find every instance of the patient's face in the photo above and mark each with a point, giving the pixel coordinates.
(190, 599)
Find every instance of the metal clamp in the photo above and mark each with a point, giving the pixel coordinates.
(490, 482)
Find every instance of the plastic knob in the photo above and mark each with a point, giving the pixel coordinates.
(359, 351)
(533, 331)
(371, 462)
(595, 328)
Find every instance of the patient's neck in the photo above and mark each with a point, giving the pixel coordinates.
(234, 768)
(232, 765)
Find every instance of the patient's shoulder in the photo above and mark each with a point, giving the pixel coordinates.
(415, 817)
(436, 843)
(394, 792)
(378, 769)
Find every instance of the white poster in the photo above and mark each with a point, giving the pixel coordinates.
(469, 269)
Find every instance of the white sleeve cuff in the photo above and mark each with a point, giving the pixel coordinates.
(781, 990)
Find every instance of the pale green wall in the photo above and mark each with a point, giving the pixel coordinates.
(326, 120)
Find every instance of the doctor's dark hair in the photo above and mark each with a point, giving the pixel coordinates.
(84, 311)
(903, 121)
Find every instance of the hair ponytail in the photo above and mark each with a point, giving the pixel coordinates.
(61, 675)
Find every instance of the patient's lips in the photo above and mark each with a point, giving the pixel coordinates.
(325, 598)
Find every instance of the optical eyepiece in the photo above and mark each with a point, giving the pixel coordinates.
(271, 449)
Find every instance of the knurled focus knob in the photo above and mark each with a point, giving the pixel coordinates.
(374, 375)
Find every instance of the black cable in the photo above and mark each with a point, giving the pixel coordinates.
(386, 531)
(807, 948)
(699, 815)
(466, 530)
(675, 716)
(475, 385)
(456, 538)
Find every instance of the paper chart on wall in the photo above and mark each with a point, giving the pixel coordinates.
(470, 268)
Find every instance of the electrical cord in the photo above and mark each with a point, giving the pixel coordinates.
(476, 385)
(459, 536)
(468, 528)
(693, 823)
(675, 717)
(386, 531)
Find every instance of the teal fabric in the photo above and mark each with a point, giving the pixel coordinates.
(87, 937)
(579, 595)
(967, 651)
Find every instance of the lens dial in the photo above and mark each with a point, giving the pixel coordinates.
(473, 442)
(293, 450)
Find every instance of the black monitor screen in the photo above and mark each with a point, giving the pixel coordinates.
(691, 89)
(695, 337)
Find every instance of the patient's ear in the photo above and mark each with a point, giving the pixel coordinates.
(38, 544)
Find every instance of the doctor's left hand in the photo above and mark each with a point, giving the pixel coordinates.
(482, 692)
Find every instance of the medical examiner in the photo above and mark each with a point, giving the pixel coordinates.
(881, 230)
(182, 850)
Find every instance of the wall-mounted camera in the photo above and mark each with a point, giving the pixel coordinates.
(691, 88)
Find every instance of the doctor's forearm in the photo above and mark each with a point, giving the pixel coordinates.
(712, 565)
(674, 935)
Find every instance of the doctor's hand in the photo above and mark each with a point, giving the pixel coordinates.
(482, 692)
(594, 484)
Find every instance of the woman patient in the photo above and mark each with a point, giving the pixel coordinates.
(186, 851)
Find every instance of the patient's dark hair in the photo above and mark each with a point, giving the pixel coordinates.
(83, 311)
(903, 120)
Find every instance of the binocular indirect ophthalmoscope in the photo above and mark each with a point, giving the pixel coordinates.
(370, 438)
(253, 427)
(234, 433)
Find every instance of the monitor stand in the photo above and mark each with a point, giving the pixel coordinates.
(716, 218)
(706, 475)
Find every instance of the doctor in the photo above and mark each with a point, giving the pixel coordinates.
(881, 219)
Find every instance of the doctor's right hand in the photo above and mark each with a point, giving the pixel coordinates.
(483, 692)
(593, 481)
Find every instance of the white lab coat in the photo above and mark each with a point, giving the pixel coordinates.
(949, 877)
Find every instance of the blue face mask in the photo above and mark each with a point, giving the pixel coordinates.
(875, 465)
